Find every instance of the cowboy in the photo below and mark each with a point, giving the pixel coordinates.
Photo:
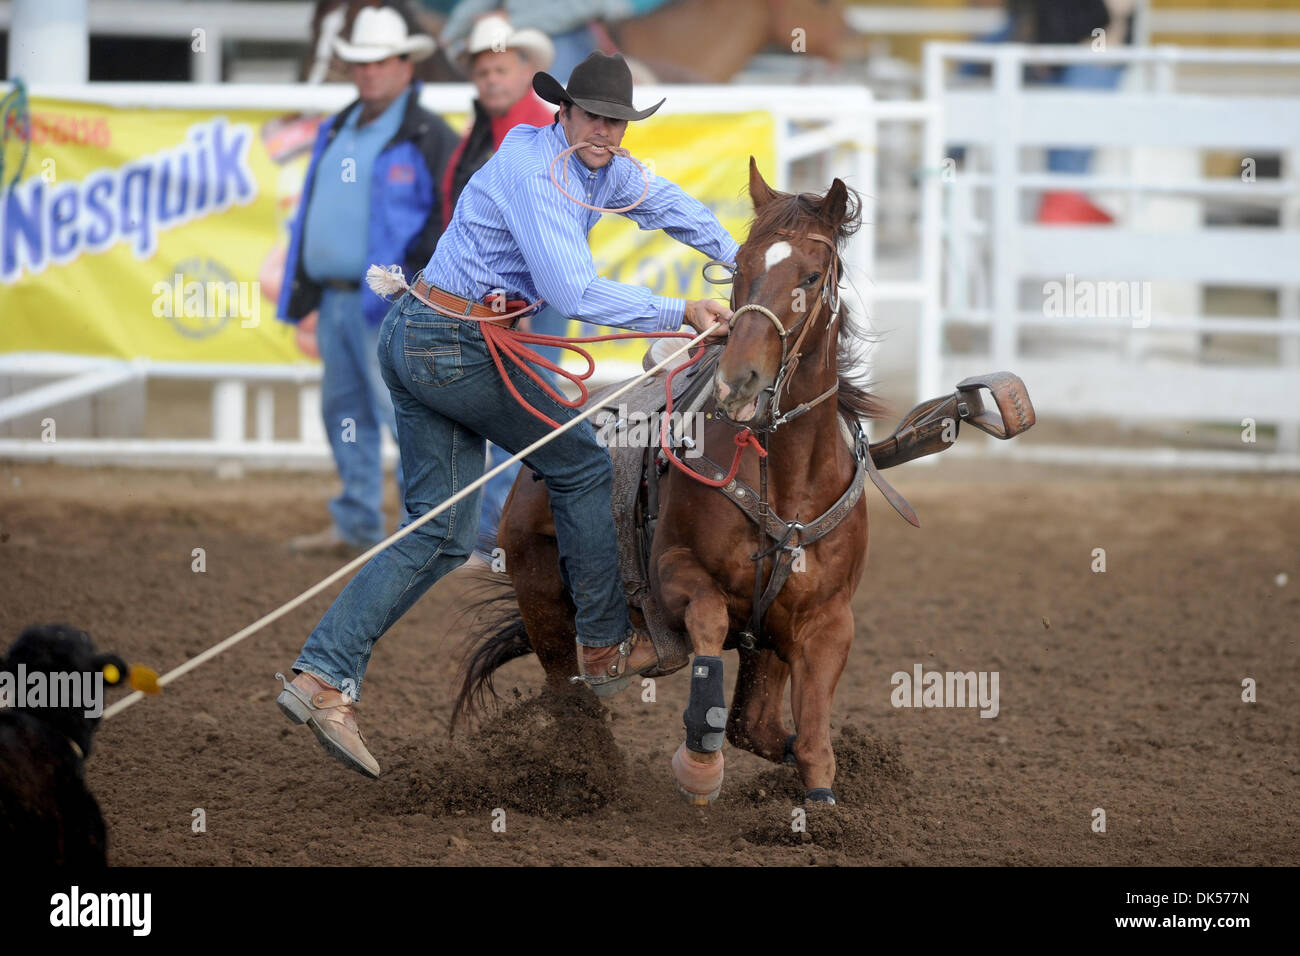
(501, 62)
(513, 234)
(369, 195)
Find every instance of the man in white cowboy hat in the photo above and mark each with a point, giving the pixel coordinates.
(370, 195)
(500, 61)
(513, 235)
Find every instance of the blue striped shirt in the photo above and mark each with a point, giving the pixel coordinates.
(512, 230)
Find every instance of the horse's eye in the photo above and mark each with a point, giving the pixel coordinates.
(812, 278)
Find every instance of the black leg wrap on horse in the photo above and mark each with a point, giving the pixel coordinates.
(705, 716)
(819, 795)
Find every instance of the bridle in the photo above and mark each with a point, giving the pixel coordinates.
(782, 551)
(828, 295)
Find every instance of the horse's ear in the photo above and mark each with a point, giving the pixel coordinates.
(836, 204)
(759, 191)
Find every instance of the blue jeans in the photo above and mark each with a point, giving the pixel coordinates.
(547, 322)
(1081, 76)
(449, 397)
(355, 405)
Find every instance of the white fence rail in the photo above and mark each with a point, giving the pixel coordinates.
(1006, 272)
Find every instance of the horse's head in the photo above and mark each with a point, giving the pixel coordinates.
(785, 292)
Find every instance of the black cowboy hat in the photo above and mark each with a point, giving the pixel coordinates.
(600, 84)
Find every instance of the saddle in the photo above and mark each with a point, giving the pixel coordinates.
(930, 427)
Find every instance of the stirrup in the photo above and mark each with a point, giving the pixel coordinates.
(611, 683)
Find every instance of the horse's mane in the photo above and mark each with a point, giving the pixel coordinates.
(801, 213)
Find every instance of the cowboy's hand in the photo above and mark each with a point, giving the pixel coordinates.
(305, 337)
(702, 314)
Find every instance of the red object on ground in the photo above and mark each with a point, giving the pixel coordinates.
(1070, 207)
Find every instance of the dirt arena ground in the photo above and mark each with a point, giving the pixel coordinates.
(1120, 690)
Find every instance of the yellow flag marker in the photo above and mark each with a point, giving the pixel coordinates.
(145, 679)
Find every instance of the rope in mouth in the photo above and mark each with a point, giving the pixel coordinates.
(617, 151)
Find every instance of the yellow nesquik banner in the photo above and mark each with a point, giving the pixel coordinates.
(161, 233)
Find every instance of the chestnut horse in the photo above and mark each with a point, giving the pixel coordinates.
(701, 569)
(676, 45)
(667, 44)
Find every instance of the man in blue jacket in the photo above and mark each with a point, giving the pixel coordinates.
(369, 196)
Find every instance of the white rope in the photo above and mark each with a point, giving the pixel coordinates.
(361, 559)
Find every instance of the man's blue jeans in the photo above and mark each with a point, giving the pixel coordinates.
(355, 406)
(546, 322)
(449, 397)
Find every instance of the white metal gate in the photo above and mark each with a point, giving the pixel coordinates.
(1014, 289)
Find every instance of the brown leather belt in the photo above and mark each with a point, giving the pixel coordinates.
(432, 295)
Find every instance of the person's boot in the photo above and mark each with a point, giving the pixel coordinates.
(328, 712)
(328, 542)
(608, 670)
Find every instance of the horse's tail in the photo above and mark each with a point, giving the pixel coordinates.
(497, 637)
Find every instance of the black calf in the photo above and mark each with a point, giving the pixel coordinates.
(47, 816)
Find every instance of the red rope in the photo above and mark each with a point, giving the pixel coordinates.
(506, 343)
(513, 345)
(743, 437)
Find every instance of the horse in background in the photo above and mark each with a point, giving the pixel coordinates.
(665, 45)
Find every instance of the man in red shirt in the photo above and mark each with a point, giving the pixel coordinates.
(500, 61)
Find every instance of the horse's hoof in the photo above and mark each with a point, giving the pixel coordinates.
(699, 783)
(820, 795)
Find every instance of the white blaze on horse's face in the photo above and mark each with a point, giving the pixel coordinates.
(777, 252)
